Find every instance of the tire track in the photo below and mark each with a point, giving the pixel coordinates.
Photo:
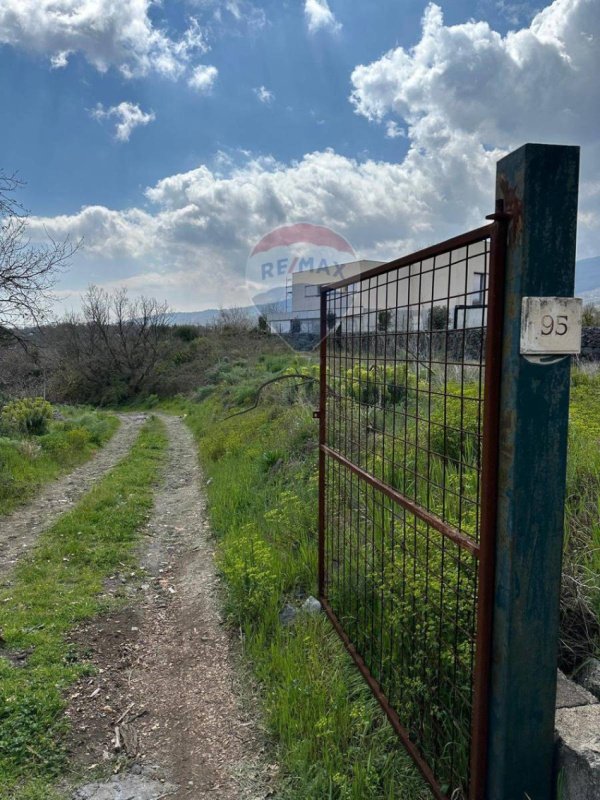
(19, 529)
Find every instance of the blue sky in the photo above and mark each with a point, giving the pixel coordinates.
(269, 133)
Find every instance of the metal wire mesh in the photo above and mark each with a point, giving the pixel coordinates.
(405, 368)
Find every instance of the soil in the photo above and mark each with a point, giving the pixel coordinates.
(20, 529)
(168, 673)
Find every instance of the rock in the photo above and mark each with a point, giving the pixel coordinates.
(579, 752)
(570, 694)
(118, 787)
(589, 676)
(288, 614)
(311, 605)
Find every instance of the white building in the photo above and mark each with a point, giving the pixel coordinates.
(407, 293)
(304, 293)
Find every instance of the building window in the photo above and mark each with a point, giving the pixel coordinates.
(478, 295)
(312, 290)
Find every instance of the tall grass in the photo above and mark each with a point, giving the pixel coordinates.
(333, 741)
(27, 462)
(580, 602)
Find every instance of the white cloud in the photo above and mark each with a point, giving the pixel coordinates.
(203, 78)
(532, 83)
(320, 17)
(203, 223)
(264, 95)
(465, 86)
(464, 94)
(107, 33)
(515, 13)
(393, 130)
(128, 115)
(244, 13)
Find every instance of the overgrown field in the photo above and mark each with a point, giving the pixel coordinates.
(263, 501)
(39, 442)
(50, 592)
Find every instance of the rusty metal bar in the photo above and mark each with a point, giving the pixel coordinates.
(489, 501)
(322, 438)
(447, 530)
(471, 237)
(383, 702)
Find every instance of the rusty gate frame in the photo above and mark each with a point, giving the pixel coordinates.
(496, 232)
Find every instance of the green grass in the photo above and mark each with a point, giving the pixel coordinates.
(333, 741)
(52, 591)
(27, 462)
(581, 567)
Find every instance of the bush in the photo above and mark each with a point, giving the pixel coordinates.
(78, 439)
(98, 426)
(378, 385)
(249, 568)
(29, 416)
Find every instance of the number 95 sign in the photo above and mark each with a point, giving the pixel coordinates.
(551, 326)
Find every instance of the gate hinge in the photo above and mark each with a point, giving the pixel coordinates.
(316, 415)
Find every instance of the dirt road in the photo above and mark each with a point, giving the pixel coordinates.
(20, 529)
(168, 678)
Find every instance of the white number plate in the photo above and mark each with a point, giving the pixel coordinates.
(551, 326)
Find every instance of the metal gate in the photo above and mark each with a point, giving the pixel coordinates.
(408, 458)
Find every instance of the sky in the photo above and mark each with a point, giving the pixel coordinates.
(171, 136)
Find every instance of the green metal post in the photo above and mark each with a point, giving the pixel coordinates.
(539, 187)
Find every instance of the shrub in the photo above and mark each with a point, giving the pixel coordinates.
(29, 415)
(379, 385)
(77, 439)
(29, 449)
(249, 568)
(98, 426)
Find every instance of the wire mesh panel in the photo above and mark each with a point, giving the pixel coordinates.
(402, 444)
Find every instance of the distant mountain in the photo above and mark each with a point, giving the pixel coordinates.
(206, 317)
(211, 315)
(587, 286)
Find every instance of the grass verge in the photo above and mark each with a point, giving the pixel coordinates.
(333, 740)
(50, 592)
(28, 462)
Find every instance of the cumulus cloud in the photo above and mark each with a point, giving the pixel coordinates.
(464, 85)
(320, 17)
(107, 33)
(393, 130)
(464, 95)
(534, 82)
(264, 95)
(128, 116)
(203, 78)
(202, 223)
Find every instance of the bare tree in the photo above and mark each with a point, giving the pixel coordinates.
(234, 320)
(27, 271)
(114, 348)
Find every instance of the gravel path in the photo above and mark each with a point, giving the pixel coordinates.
(20, 529)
